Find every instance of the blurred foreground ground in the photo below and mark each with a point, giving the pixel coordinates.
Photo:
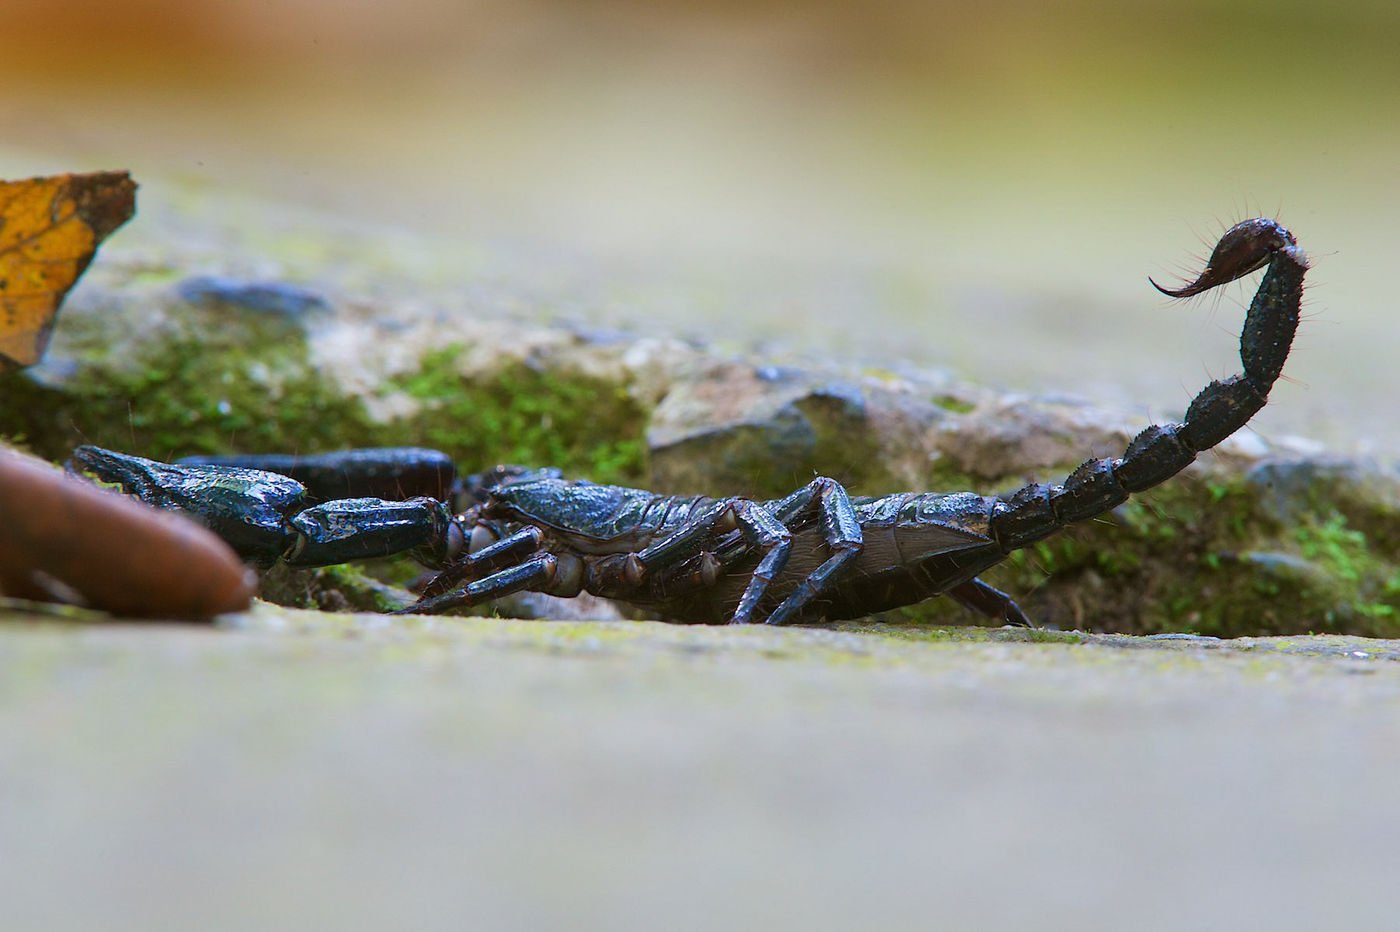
(513, 775)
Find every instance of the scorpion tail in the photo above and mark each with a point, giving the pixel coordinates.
(1222, 407)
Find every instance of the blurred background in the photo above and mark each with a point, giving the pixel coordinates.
(984, 187)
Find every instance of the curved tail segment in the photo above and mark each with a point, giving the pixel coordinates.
(1222, 407)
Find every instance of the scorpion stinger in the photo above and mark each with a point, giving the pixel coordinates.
(1244, 248)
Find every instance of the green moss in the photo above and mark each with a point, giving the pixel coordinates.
(956, 405)
(963, 634)
(1366, 573)
(931, 633)
(226, 388)
(345, 588)
(1332, 542)
(1204, 558)
(246, 386)
(1200, 557)
(153, 274)
(934, 614)
(536, 417)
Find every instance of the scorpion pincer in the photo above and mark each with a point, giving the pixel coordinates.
(818, 553)
(296, 509)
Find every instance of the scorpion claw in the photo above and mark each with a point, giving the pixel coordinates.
(245, 507)
(264, 516)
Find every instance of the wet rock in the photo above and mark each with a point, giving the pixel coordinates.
(1019, 436)
(734, 429)
(536, 606)
(1291, 488)
(744, 429)
(263, 297)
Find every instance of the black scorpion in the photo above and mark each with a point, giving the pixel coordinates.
(815, 554)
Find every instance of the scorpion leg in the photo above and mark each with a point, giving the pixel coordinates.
(831, 504)
(989, 602)
(757, 525)
(841, 529)
(489, 559)
(534, 574)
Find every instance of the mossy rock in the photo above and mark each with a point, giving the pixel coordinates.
(1240, 545)
(210, 378)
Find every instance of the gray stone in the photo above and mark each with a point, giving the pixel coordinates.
(732, 429)
(1292, 487)
(281, 298)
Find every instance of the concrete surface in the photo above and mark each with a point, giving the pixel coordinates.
(293, 770)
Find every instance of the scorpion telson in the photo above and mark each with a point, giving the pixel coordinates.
(1244, 248)
(819, 553)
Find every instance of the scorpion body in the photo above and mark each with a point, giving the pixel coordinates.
(817, 553)
(638, 547)
(829, 557)
(918, 545)
(846, 559)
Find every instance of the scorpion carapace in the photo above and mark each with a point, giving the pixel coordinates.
(816, 554)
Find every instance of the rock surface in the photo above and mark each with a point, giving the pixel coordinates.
(308, 770)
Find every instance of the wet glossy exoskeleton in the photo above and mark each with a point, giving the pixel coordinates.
(818, 553)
